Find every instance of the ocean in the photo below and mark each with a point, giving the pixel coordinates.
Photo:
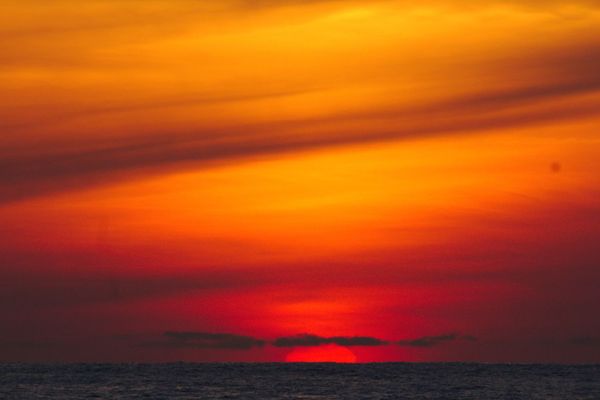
(299, 381)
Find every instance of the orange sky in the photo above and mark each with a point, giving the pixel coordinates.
(195, 180)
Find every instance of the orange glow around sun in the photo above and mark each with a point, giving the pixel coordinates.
(326, 353)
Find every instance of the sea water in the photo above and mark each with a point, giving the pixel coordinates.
(298, 381)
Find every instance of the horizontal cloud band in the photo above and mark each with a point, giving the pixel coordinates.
(314, 340)
(430, 341)
(206, 340)
(51, 167)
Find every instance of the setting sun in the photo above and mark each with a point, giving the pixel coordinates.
(326, 353)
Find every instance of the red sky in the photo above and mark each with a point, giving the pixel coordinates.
(324, 180)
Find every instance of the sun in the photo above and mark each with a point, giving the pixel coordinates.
(327, 353)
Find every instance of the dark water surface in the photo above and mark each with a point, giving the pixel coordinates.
(298, 381)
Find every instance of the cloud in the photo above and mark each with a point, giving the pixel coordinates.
(27, 344)
(28, 289)
(34, 173)
(37, 162)
(205, 340)
(314, 340)
(431, 341)
(586, 341)
(46, 166)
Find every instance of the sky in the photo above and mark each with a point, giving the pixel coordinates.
(261, 180)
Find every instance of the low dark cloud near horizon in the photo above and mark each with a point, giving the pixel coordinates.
(309, 340)
(27, 290)
(208, 340)
(586, 341)
(205, 340)
(431, 341)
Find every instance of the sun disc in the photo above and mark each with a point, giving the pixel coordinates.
(328, 353)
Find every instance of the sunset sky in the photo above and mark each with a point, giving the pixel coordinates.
(287, 180)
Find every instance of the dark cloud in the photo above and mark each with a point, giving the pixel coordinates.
(24, 289)
(205, 340)
(26, 175)
(39, 168)
(183, 101)
(40, 164)
(586, 341)
(27, 344)
(430, 341)
(314, 340)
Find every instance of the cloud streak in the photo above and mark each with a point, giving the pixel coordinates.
(586, 341)
(432, 341)
(25, 174)
(309, 340)
(38, 163)
(204, 340)
(116, 135)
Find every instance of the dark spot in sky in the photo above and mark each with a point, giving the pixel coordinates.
(555, 167)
